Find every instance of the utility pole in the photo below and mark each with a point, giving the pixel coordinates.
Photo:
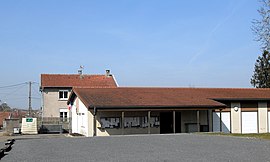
(30, 107)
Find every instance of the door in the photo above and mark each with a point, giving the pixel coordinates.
(249, 122)
(225, 119)
(166, 122)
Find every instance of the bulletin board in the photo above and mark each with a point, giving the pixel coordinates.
(129, 122)
(132, 122)
(108, 122)
(141, 122)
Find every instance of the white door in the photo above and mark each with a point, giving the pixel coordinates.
(249, 122)
(225, 119)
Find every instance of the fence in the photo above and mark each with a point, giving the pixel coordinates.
(44, 125)
(54, 123)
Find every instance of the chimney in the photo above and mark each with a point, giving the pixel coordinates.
(108, 73)
(80, 71)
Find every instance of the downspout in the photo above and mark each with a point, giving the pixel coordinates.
(220, 120)
(94, 122)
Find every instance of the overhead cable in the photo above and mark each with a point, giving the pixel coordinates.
(14, 85)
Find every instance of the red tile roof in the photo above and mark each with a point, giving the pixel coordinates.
(3, 116)
(76, 80)
(165, 97)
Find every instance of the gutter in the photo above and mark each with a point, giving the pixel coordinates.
(157, 107)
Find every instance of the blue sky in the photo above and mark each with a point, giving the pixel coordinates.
(144, 42)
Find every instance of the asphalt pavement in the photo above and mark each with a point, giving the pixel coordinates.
(148, 148)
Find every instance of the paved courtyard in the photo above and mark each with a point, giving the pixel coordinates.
(180, 147)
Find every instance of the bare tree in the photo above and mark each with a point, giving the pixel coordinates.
(261, 27)
(261, 30)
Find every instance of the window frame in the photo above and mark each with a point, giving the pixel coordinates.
(63, 98)
(63, 114)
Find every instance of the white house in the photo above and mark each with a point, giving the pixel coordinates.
(56, 88)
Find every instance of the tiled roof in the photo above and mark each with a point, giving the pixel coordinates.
(14, 115)
(165, 97)
(3, 116)
(76, 80)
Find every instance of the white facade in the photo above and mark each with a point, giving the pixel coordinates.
(263, 117)
(80, 118)
(247, 119)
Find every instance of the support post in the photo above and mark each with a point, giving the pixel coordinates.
(173, 121)
(122, 122)
(220, 120)
(69, 119)
(149, 126)
(210, 117)
(198, 121)
(29, 100)
(95, 122)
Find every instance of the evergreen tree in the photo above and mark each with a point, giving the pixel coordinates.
(261, 76)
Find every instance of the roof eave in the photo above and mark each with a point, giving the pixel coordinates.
(160, 107)
(241, 99)
(43, 87)
(71, 97)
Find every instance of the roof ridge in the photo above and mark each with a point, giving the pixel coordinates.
(198, 88)
(92, 87)
(77, 74)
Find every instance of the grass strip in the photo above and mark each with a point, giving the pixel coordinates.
(250, 135)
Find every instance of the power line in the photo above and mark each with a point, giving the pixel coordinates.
(36, 98)
(15, 90)
(37, 91)
(14, 85)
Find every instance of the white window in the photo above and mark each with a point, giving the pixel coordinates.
(64, 115)
(63, 94)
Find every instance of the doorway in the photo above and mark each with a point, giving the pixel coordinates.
(166, 122)
(177, 122)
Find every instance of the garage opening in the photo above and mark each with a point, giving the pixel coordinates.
(166, 122)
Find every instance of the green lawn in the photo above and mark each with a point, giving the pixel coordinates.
(253, 135)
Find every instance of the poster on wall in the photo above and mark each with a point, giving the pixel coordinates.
(110, 122)
(129, 122)
(132, 122)
(141, 122)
